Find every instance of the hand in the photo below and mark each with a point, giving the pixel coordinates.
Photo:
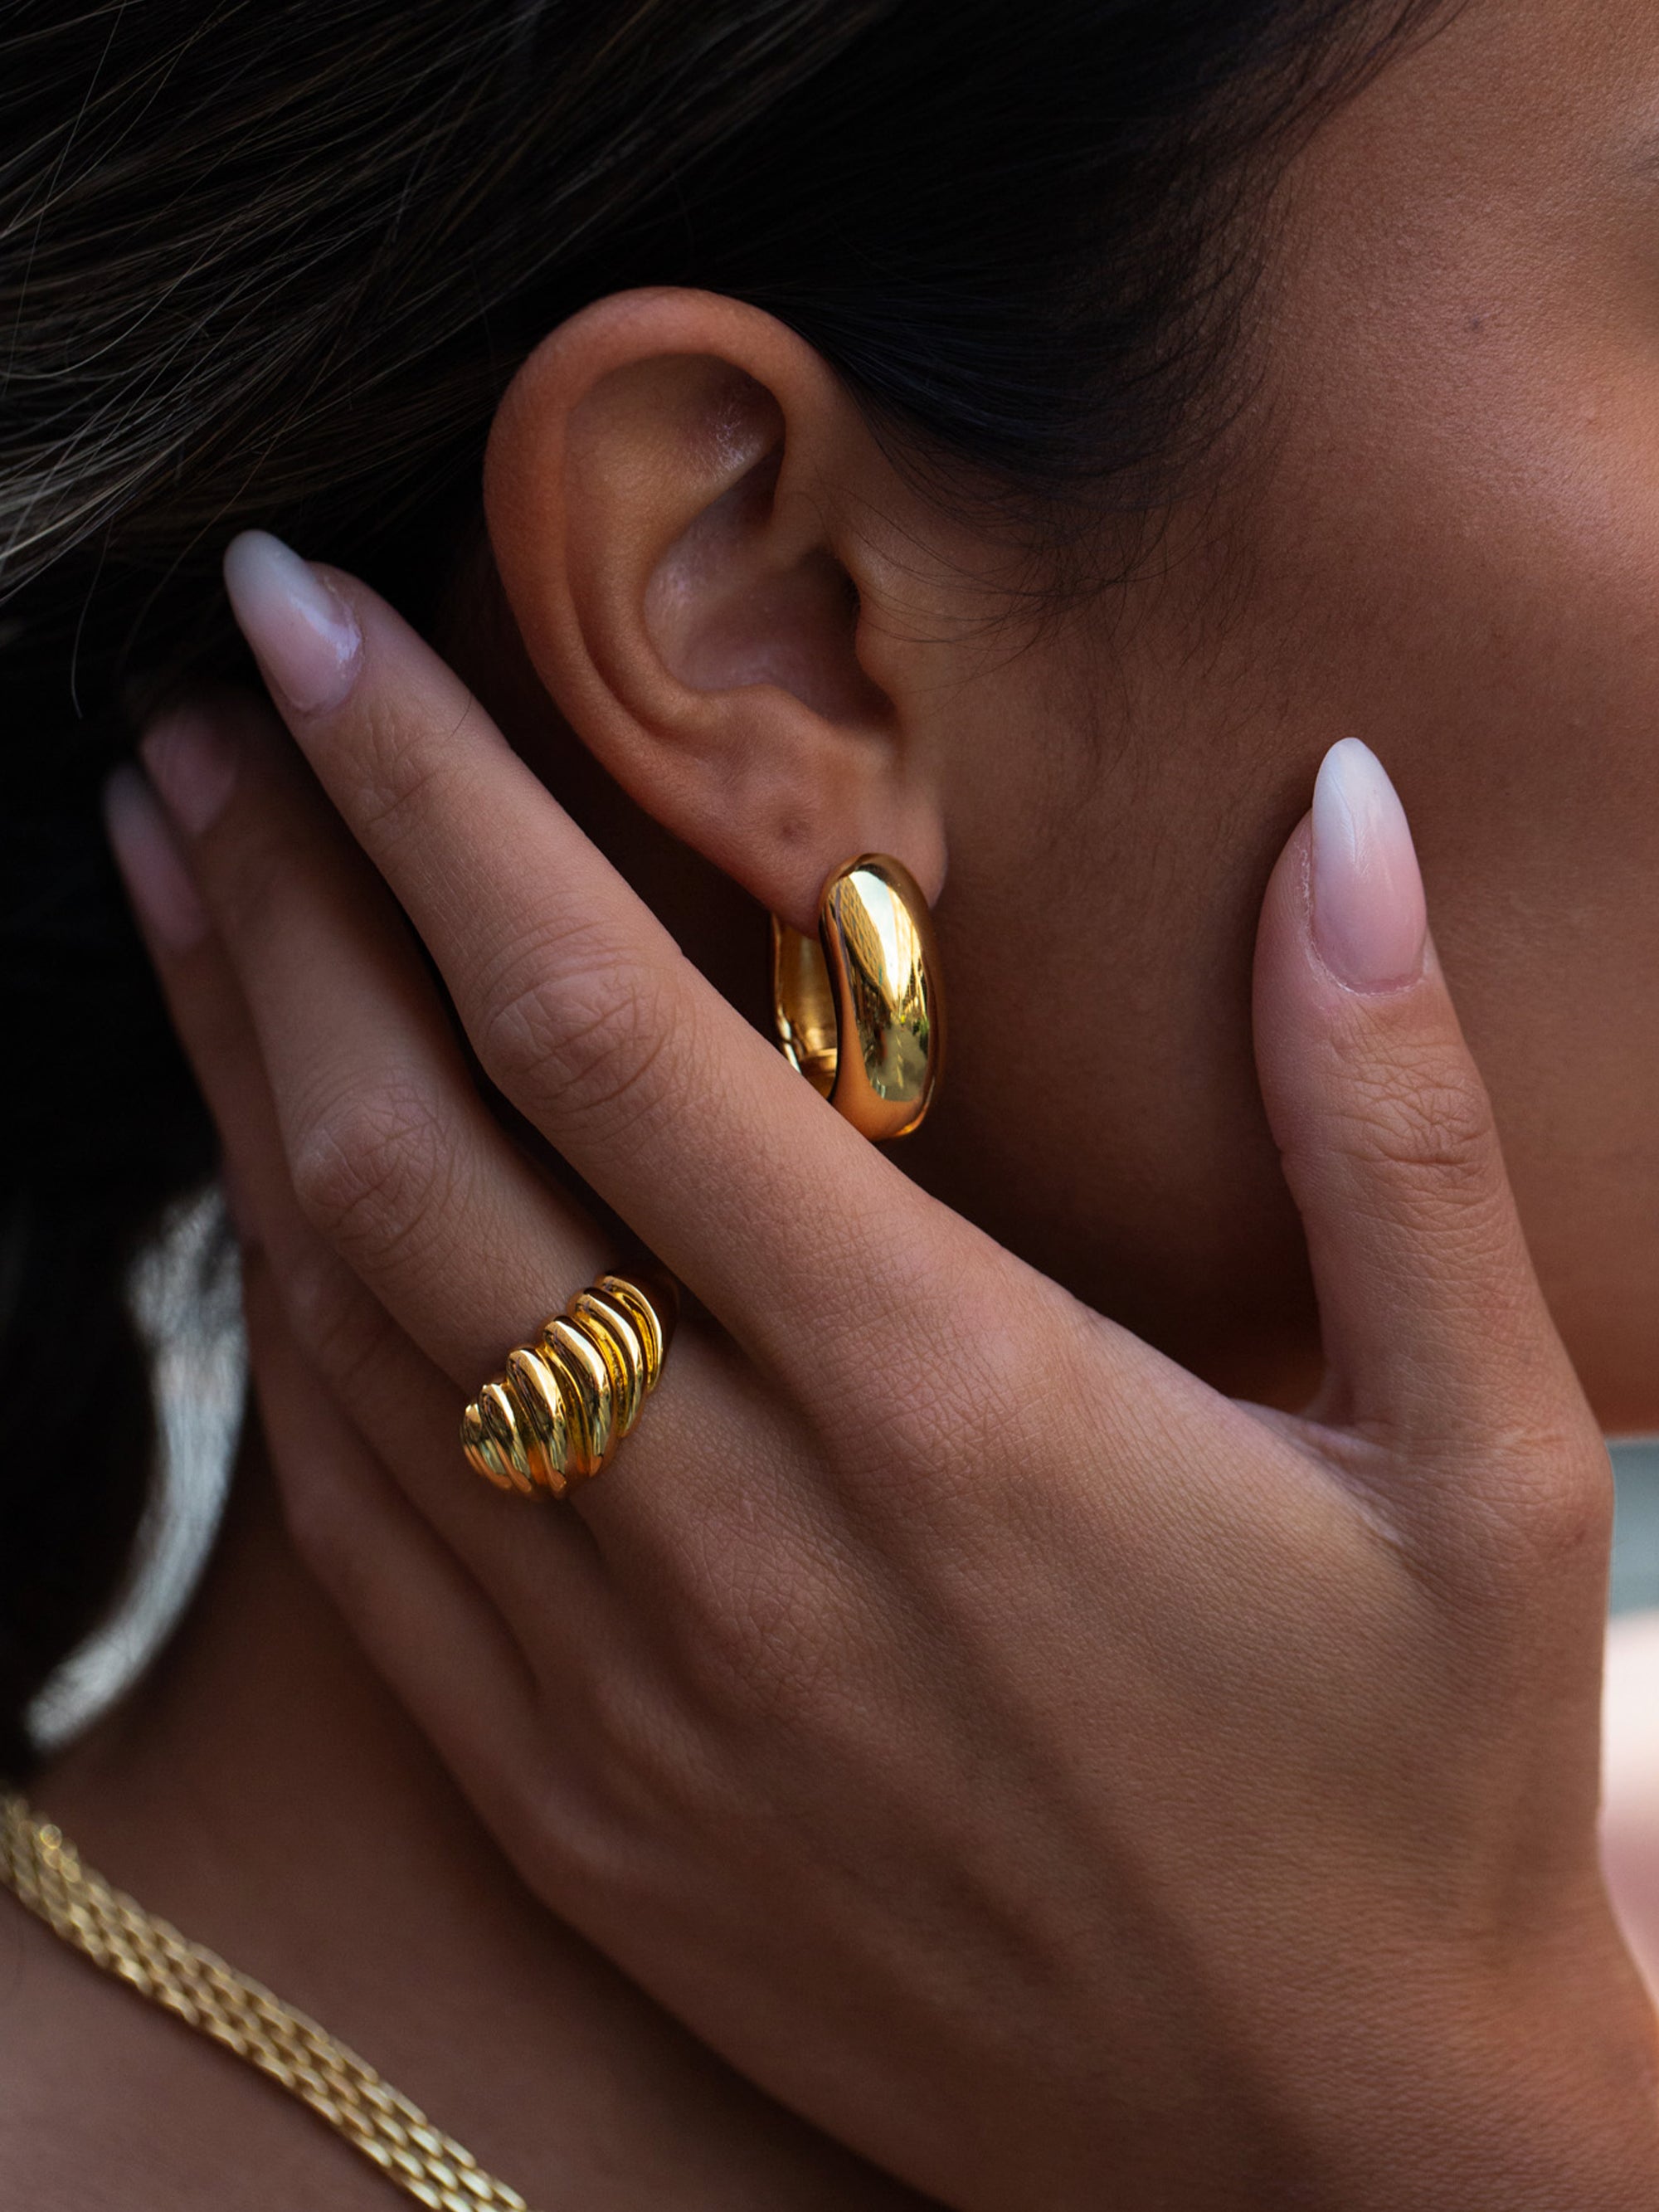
(1065, 1784)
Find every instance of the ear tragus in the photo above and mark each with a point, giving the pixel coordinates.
(668, 485)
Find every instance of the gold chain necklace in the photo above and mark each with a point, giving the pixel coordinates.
(43, 1871)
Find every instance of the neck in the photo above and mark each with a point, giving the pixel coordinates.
(264, 1791)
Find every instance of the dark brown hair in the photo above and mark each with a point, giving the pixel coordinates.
(274, 261)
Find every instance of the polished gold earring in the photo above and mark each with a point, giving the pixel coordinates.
(859, 1012)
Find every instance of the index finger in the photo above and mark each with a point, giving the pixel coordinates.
(580, 1005)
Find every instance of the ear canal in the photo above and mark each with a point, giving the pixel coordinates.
(860, 1014)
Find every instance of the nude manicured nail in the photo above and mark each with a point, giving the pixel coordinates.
(191, 759)
(305, 636)
(1369, 920)
(152, 867)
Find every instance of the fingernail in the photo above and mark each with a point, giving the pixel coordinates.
(152, 867)
(191, 759)
(1369, 920)
(304, 634)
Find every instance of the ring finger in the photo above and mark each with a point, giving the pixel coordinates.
(395, 1162)
(401, 1405)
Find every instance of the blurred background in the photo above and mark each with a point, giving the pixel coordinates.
(1635, 1544)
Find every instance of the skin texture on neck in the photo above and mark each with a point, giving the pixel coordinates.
(263, 1792)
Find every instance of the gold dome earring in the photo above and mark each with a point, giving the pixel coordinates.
(859, 1013)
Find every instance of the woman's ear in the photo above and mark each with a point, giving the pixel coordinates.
(682, 504)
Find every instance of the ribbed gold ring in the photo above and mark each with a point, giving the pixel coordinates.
(565, 1403)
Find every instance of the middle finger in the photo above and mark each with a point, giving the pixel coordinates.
(392, 1154)
(396, 1160)
(809, 1246)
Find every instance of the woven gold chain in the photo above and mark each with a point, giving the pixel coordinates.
(43, 1871)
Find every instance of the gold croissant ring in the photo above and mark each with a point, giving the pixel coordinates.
(860, 1013)
(557, 1416)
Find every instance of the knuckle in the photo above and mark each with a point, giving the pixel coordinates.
(373, 1168)
(1532, 1511)
(580, 1025)
(650, 1748)
(770, 1653)
(340, 1326)
(395, 782)
(1558, 1503)
(778, 1622)
(1430, 1122)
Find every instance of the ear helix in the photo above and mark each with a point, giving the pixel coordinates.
(859, 1013)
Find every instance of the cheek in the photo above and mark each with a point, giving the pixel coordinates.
(1100, 1114)
(1456, 542)
(1463, 568)
(1490, 620)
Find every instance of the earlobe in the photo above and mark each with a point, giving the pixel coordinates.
(669, 489)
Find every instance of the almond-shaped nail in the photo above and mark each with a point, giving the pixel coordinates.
(154, 870)
(1370, 919)
(303, 634)
(190, 755)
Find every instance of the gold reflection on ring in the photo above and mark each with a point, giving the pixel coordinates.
(565, 1403)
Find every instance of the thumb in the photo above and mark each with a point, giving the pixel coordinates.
(1436, 1333)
